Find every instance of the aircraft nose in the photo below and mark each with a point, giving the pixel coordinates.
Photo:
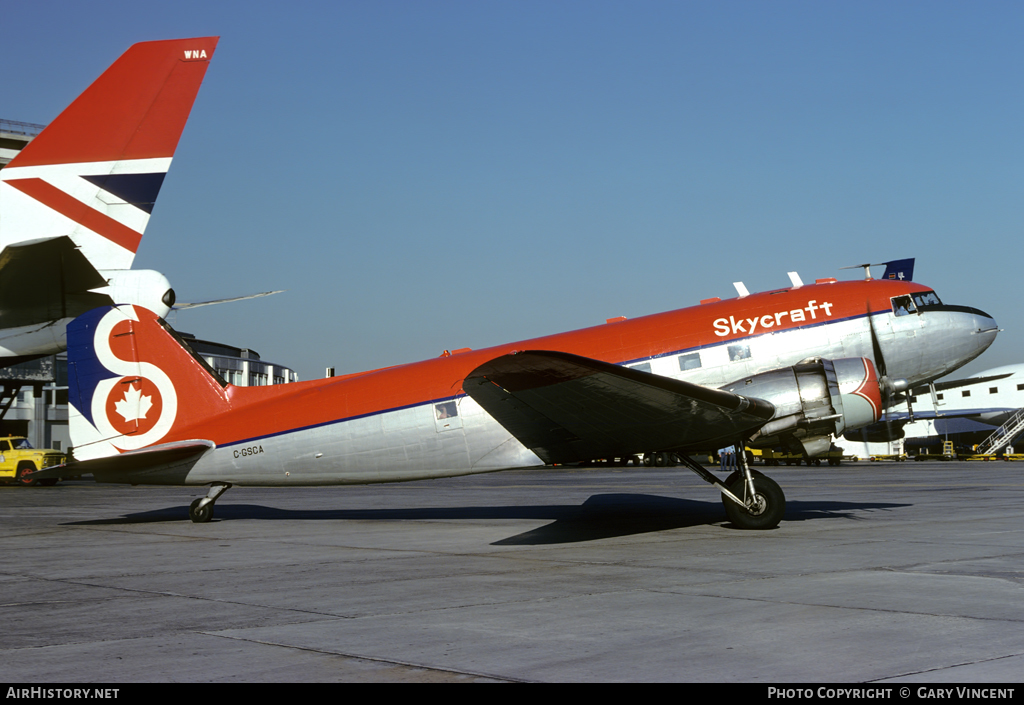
(981, 329)
(958, 334)
(985, 326)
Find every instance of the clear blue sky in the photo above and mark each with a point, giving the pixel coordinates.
(426, 175)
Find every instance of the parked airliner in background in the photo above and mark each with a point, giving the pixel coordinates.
(790, 367)
(980, 402)
(990, 397)
(75, 202)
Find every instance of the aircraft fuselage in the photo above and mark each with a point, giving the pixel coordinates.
(414, 421)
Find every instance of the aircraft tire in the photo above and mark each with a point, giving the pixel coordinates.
(200, 515)
(771, 497)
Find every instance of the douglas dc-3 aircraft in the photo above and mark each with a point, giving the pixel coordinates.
(788, 367)
(76, 200)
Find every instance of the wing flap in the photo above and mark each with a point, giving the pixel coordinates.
(567, 408)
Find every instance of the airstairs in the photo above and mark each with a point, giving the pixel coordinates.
(1003, 435)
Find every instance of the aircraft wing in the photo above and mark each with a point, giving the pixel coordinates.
(46, 280)
(924, 390)
(567, 408)
(896, 416)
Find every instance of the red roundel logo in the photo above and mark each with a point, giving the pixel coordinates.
(134, 405)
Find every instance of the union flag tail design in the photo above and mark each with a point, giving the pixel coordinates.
(132, 383)
(94, 173)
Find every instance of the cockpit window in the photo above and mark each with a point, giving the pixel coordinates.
(927, 298)
(903, 305)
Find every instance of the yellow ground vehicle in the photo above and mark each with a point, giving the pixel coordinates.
(776, 457)
(18, 459)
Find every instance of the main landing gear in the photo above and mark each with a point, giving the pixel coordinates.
(201, 510)
(752, 500)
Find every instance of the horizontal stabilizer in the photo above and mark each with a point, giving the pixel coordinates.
(197, 304)
(567, 408)
(137, 466)
(46, 280)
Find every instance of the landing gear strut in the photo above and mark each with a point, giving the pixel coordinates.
(201, 510)
(752, 500)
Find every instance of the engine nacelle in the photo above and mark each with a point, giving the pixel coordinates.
(141, 287)
(814, 400)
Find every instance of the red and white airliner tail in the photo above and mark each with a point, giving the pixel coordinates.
(94, 173)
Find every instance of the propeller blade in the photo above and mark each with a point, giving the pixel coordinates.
(876, 348)
(885, 386)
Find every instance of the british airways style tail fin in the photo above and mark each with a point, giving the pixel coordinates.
(94, 173)
(134, 384)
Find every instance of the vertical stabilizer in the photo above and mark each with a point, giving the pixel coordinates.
(94, 173)
(900, 269)
(129, 376)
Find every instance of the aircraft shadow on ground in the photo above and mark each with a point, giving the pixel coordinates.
(599, 517)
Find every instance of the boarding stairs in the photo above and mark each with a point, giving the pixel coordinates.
(1004, 435)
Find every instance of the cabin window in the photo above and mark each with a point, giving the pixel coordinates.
(903, 305)
(739, 352)
(993, 390)
(966, 393)
(641, 366)
(445, 410)
(1020, 387)
(939, 397)
(690, 361)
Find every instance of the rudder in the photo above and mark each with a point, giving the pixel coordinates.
(132, 383)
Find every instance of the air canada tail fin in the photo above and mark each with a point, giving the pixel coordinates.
(94, 172)
(133, 383)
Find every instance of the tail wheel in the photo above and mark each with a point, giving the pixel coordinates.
(200, 513)
(24, 476)
(763, 511)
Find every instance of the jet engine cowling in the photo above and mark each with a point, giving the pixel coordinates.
(814, 400)
(141, 287)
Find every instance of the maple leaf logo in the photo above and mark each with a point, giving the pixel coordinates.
(135, 404)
